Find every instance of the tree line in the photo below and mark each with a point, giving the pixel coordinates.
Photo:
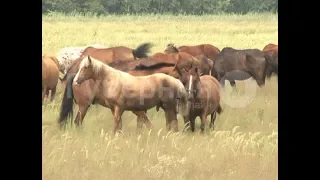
(192, 7)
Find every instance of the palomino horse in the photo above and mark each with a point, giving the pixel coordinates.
(207, 50)
(232, 64)
(84, 96)
(50, 75)
(124, 92)
(67, 55)
(108, 55)
(203, 97)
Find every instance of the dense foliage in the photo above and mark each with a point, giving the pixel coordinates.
(195, 7)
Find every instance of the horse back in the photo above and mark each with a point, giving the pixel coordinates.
(108, 55)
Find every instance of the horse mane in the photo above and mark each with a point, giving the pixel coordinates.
(96, 65)
(153, 66)
(173, 47)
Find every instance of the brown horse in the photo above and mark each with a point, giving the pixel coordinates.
(207, 50)
(206, 65)
(203, 97)
(107, 55)
(271, 50)
(232, 64)
(271, 46)
(50, 75)
(182, 59)
(124, 92)
(84, 96)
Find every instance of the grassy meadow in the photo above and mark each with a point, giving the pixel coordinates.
(244, 144)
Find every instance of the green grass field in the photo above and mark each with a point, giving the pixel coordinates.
(244, 144)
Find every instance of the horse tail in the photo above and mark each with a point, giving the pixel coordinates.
(183, 104)
(66, 109)
(142, 50)
(272, 63)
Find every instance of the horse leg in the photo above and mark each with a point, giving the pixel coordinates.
(186, 122)
(222, 81)
(81, 114)
(213, 118)
(203, 122)
(233, 83)
(171, 119)
(44, 91)
(192, 123)
(47, 93)
(53, 93)
(142, 118)
(117, 113)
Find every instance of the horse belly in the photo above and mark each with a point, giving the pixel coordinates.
(140, 104)
(237, 75)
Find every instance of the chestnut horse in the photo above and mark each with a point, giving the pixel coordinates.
(271, 46)
(124, 92)
(50, 75)
(232, 64)
(271, 50)
(182, 59)
(203, 97)
(107, 55)
(84, 96)
(207, 50)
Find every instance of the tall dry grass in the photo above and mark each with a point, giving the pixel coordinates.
(244, 144)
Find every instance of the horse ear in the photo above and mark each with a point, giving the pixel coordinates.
(89, 60)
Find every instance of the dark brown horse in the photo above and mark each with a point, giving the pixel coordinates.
(108, 55)
(232, 64)
(203, 97)
(50, 75)
(84, 95)
(207, 50)
(124, 92)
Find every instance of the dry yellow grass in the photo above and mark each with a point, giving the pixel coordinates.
(244, 144)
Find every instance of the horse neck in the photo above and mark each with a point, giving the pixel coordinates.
(105, 72)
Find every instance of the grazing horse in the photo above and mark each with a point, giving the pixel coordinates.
(203, 97)
(50, 75)
(84, 96)
(108, 55)
(206, 65)
(182, 59)
(270, 46)
(124, 92)
(232, 64)
(271, 50)
(207, 50)
(67, 55)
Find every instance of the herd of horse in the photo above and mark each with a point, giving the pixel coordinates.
(183, 80)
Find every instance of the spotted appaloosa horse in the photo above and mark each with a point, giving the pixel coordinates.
(68, 55)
